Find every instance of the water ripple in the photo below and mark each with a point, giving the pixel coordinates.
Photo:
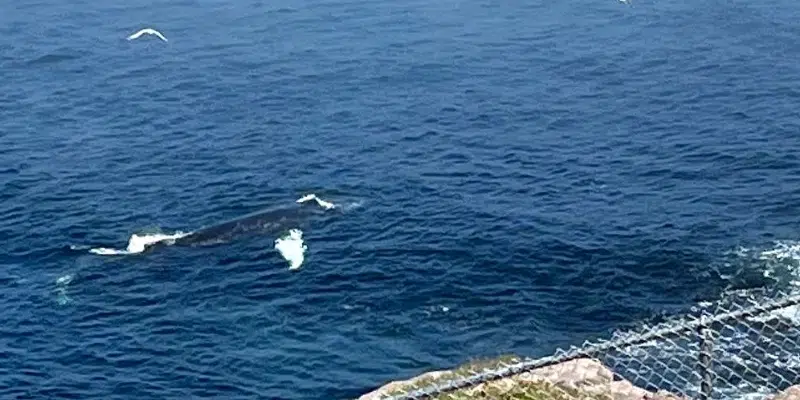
(528, 176)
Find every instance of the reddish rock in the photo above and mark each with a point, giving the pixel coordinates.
(792, 393)
(588, 377)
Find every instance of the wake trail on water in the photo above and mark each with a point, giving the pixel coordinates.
(291, 245)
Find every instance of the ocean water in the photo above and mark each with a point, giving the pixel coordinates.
(518, 176)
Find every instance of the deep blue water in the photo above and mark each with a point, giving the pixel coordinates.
(529, 174)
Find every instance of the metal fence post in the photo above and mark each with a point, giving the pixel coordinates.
(706, 348)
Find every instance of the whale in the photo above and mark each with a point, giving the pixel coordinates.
(272, 221)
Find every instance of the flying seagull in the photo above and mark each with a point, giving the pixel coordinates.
(148, 31)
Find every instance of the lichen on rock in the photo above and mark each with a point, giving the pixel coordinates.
(584, 379)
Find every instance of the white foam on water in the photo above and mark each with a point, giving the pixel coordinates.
(61, 289)
(292, 248)
(64, 280)
(783, 258)
(322, 203)
(138, 243)
(792, 361)
(350, 206)
(782, 262)
(345, 207)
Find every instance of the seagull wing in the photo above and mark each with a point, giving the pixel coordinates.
(149, 31)
(157, 33)
(136, 35)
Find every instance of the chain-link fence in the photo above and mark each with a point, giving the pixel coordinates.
(746, 346)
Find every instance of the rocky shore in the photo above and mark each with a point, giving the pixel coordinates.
(585, 379)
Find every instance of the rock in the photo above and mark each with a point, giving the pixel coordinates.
(574, 374)
(592, 377)
(792, 393)
(576, 379)
(665, 395)
(397, 385)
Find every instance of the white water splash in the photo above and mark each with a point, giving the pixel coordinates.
(782, 262)
(292, 248)
(61, 289)
(783, 251)
(322, 203)
(138, 244)
(350, 206)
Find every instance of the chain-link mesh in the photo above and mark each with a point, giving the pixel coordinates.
(746, 346)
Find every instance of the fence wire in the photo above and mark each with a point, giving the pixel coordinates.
(746, 346)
